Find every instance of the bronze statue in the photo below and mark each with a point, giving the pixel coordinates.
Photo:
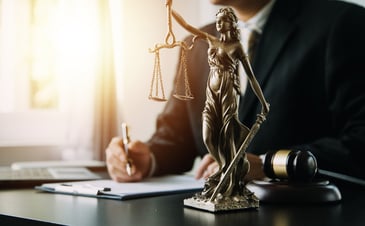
(225, 137)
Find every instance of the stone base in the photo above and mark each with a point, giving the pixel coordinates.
(223, 203)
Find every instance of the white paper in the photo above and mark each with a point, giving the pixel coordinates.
(148, 187)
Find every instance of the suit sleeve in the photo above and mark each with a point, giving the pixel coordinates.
(172, 142)
(344, 150)
(177, 140)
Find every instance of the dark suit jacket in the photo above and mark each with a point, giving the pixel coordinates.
(310, 62)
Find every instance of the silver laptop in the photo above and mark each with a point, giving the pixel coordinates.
(27, 177)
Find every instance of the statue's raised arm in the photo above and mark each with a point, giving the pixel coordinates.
(193, 30)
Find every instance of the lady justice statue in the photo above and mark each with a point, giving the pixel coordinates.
(225, 137)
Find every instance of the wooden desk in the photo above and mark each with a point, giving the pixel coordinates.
(169, 210)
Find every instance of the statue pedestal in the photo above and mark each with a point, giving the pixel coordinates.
(321, 191)
(223, 203)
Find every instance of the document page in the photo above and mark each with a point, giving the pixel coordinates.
(111, 189)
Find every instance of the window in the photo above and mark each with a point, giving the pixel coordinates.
(54, 61)
(29, 92)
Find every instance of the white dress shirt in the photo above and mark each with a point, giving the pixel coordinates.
(255, 23)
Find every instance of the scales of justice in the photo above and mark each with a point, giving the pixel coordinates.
(225, 137)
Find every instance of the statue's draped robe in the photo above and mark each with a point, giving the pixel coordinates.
(223, 133)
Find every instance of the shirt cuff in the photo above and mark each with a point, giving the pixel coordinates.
(262, 157)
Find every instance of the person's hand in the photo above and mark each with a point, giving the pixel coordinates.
(209, 166)
(116, 159)
(256, 171)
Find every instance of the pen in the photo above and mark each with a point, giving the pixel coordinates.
(125, 137)
(85, 189)
(87, 186)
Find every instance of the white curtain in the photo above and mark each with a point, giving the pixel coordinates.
(88, 79)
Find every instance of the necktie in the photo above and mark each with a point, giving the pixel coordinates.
(252, 41)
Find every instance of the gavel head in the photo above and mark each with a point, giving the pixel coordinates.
(292, 165)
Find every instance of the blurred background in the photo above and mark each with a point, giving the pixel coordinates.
(72, 70)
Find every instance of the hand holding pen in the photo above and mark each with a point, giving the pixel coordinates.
(125, 137)
(127, 160)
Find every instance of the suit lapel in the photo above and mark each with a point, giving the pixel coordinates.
(275, 35)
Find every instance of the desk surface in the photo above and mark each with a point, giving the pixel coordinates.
(169, 210)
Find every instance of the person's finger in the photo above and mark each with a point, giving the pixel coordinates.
(116, 160)
(141, 152)
(118, 171)
(116, 148)
(114, 163)
(122, 175)
(211, 169)
(207, 159)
